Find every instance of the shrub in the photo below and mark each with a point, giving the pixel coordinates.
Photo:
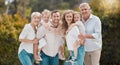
(9, 31)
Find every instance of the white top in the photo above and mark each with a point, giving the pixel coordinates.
(93, 26)
(53, 41)
(27, 33)
(81, 26)
(42, 43)
(72, 37)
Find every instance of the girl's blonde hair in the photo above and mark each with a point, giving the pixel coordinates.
(79, 14)
(46, 11)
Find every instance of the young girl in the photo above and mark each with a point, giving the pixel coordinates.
(42, 42)
(80, 25)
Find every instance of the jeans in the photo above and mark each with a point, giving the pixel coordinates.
(48, 60)
(80, 56)
(26, 58)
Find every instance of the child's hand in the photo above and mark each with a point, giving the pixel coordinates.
(82, 42)
(36, 57)
(35, 41)
(62, 56)
(82, 38)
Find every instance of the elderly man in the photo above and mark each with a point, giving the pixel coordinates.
(93, 43)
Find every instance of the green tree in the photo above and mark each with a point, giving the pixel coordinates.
(9, 31)
(2, 6)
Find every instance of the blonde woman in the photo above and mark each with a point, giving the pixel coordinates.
(27, 38)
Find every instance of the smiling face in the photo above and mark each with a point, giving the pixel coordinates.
(85, 10)
(35, 18)
(46, 17)
(69, 18)
(77, 17)
(55, 18)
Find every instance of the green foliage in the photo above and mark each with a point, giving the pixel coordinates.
(63, 5)
(111, 31)
(40, 5)
(2, 6)
(9, 30)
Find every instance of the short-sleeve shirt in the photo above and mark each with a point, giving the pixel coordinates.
(27, 33)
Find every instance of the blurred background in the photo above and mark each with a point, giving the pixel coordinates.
(15, 13)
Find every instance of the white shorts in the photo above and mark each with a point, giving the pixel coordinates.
(42, 43)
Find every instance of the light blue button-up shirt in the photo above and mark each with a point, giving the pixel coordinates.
(93, 26)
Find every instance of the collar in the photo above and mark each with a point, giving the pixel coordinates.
(90, 17)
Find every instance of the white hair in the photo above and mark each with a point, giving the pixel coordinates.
(35, 14)
(84, 4)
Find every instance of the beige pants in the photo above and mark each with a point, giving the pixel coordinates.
(92, 58)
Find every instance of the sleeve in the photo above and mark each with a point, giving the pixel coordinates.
(41, 32)
(97, 30)
(42, 43)
(81, 27)
(24, 32)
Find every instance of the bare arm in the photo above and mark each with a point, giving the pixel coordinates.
(89, 36)
(46, 25)
(82, 37)
(26, 40)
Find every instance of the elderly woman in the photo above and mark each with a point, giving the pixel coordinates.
(27, 38)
